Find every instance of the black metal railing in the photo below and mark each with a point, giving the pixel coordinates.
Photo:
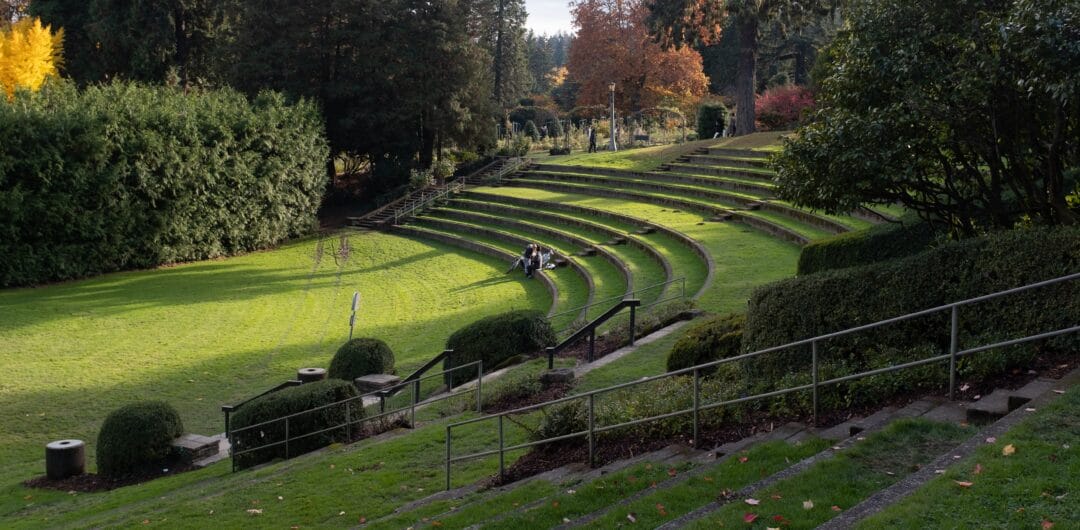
(590, 330)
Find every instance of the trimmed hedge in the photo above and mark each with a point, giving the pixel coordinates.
(831, 301)
(495, 339)
(289, 401)
(135, 436)
(878, 243)
(125, 176)
(717, 337)
(360, 357)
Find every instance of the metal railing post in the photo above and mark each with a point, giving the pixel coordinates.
(954, 333)
(502, 463)
(479, 386)
(286, 438)
(348, 422)
(551, 356)
(382, 403)
(814, 375)
(632, 322)
(416, 397)
(447, 458)
(592, 437)
(592, 343)
(697, 405)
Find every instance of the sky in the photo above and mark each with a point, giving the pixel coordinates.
(548, 16)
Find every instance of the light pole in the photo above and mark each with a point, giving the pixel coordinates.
(614, 147)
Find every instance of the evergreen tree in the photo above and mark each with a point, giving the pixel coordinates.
(499, 27)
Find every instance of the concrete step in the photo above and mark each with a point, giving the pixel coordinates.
(989, 408)
(196, 446)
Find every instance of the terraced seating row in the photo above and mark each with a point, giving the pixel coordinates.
(605, 275)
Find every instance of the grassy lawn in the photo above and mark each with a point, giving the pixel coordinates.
(573, 291)
(1037, 483)
(745, 258)
(843, 481)
(640, 159)
(203, 334)
(644, 270)
(732, 474)
(608, 280)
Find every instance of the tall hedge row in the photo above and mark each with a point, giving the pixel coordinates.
(829, 301)
(124, 176)
(870, 245)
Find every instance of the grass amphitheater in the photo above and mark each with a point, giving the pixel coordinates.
(694, 224)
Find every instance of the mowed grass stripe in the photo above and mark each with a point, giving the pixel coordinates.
(573, 290)
(744, 258)
(704, 205)
(608, 280)
(644, 267)
(203, 334)
(684, 261)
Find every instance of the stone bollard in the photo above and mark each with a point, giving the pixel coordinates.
(65, 458)
(310, 375)
(557, 376)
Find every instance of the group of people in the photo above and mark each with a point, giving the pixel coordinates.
(532, 259)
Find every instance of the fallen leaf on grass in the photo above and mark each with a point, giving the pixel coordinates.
(630, 517)
(570, 492)
(743, 459)
(341, 513)
(963, 483)
(146, 521)
(554, 504)
(1029, 409)
(565, 519)
(1047, 524)
(254, 511)
(835, 508)
(753, 502)
(964, 387)
(780, 519)
(775, 496)
(749, 517)
(671, 472)
(808, 505)
(991, 440)
(436, 523)
(978, 469)
(1008, 450)
(661, 510)
(363, 520)
(707, 479)
(1059, 391)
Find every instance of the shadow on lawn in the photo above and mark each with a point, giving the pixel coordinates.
(205, 283)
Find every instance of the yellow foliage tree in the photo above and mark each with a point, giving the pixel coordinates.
(29, 54)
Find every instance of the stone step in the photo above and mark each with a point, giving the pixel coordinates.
(872, 421)
(753, 206)
(587, 252)
(784, 432)
(989, 408)
(1021, 396)
(616, 241)
(948, 412)
(221, 454)
(646, 230)
(196, 446)
(722, 218)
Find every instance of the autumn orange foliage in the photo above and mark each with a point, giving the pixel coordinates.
(29, 54)
(613, 45)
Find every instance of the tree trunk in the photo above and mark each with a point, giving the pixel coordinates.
(498, 73)
(744, 77)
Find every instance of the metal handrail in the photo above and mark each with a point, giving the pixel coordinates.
(425, 199)
(348, 403)
(420, 372)
(590, 328)
(229, 409)
(813, 386)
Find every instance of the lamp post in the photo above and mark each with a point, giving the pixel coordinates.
(614, 147)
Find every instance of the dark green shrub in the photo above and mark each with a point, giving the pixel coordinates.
(561, 420)
(531, 131)
(360, 357)
(711, 118)
(883, 242)
(495, 339)
(830, 301)
(294, 400)
(124, 176)
(717, 337)
(135, 436)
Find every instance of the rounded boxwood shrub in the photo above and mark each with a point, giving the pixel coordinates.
(294, 400)
(495, 339)
(360, 357)
(136, 435)
(718, 337)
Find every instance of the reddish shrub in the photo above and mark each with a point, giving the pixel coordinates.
(781, 107)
